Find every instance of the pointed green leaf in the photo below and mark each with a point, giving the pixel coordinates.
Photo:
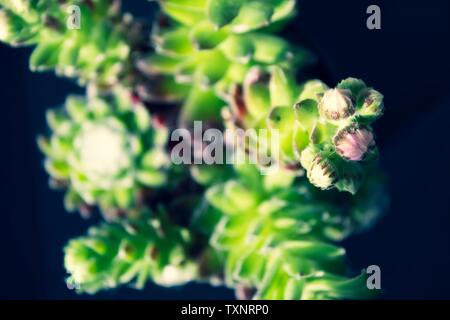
(257, 93)
(352, 84)
(252, 15)
(222, 12)
(45, 56)
(238, 48)
(205, 37)
(282, 87)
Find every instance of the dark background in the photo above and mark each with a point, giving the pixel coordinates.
(407, 60)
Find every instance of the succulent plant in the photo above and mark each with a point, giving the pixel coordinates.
(149, 247)
(95, 51)
(105, 150)
(210, 45)
(277, 237)
(270, 229)
(325, 131)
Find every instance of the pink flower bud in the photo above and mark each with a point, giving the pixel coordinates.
(353, 143)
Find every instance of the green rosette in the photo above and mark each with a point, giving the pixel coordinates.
(78, 39)
(130, 252)
(105, 150)
(208, 46)
(278, 238)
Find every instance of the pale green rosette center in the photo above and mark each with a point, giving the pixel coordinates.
(103, 152)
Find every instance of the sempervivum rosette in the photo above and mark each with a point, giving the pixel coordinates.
(269, 229)
(277, 236)
(149, 248)
(105, 150)
(326, 132)
(94, 49)
(209, 45)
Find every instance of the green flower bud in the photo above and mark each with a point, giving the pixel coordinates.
(353, 84)
(372, 106)
(336, 104)
(307, 156)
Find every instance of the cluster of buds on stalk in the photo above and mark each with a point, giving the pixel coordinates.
(342, 134)
(326, 132)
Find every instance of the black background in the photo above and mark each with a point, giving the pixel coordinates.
(407, 60)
